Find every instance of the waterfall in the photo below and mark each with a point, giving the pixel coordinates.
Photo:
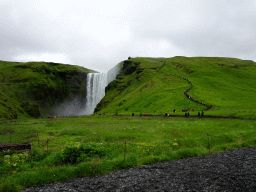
(96, 83)
(95, 91)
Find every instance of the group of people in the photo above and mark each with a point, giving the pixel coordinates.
(186, 92)
(199, 115)
(187, 95)
(202, 115)
(195, 100)
(186, 110)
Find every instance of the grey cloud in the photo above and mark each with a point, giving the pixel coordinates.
(99, 35)
(220, 28)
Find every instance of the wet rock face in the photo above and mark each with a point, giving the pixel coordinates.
(32, 109)
(62, 87)
(76, 81)
(73, 90)
(129, 67)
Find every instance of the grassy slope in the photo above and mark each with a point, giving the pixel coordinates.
(228, 84)
(35, 82)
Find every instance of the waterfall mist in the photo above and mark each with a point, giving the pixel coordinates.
(95, 91)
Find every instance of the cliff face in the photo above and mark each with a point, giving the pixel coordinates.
(35, 88)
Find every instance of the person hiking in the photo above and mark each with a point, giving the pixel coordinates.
(202, 114)
(199, 115)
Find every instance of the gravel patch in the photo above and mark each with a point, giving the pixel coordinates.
(226, 171)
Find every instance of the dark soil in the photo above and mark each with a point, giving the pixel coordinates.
(227, 171)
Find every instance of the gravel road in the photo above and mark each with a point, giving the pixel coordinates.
(227, 171)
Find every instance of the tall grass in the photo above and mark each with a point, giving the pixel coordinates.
(98, 144)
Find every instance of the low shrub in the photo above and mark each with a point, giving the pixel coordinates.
(57, 159)
(13, 159)
(83, 152)
(36, 155)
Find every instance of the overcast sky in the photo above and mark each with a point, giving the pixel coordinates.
(97, 34)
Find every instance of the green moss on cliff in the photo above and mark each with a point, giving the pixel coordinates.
(33, 88)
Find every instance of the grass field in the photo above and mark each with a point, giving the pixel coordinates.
(86, 146)
(152, 84)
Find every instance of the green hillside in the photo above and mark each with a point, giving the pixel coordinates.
(152, 84)
(33, 88)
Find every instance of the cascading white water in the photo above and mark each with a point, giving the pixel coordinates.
(96, 83)
(95, 91)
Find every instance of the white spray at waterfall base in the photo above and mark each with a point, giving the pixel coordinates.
(95, 91)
